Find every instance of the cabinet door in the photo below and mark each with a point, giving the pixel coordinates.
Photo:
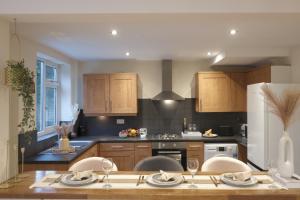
(238, 90)
(213, 90)
(123, 159)
(242, 153)
(123, 93)
(96, 93)
(196, 150)
(141, 151)
(259, 75)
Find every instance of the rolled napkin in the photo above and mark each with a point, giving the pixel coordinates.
(79, 176)
(165, 176)
(239, 176)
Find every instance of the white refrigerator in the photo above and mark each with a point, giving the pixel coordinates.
(265, 129)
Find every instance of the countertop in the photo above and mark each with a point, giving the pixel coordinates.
(68, 158)
(21, 190)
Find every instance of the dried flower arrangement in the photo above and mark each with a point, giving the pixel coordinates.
(283, 107)
(64, 130)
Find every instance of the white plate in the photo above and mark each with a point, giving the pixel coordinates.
(252, 181)
(66, 180)
(154, 180)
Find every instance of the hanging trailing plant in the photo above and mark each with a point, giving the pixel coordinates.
(21, 79)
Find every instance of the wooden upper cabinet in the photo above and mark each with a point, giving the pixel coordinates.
(96, 93)
(259, 75)
(123, 93)
(238, 92)
(213, 92)
(110, 94)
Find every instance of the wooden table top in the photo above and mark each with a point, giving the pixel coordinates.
(21, 190)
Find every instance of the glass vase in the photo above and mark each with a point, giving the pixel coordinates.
(285, 156)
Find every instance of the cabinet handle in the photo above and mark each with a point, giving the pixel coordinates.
(117, 147)
(195, 146)
(200, 104)
(143, 146)
(106, 106)
(110, 105)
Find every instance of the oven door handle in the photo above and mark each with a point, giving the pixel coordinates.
(169, 152)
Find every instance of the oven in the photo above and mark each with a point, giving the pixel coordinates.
(174, 150)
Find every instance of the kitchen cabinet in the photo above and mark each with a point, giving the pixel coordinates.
(238, 92)
(122, 154)
(141, 151)
(196, 150)
(96, 93)
(221, 92)
(123, 93)
(259, 75)
(110, 94)
(242, 153)
(212, 92)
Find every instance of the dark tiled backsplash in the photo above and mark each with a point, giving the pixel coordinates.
(159, 117)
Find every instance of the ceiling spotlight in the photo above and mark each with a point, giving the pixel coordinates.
(209, 53)
(127, 53)
(233, 32)
(114, 32)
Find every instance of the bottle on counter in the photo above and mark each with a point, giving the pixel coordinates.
(184, 126)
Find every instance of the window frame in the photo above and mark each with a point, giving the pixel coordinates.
(50, 84)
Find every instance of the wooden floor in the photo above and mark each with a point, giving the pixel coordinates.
(21, 190)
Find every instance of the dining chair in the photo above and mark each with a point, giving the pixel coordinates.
(91, 163)
(224, 165)
(156, 163)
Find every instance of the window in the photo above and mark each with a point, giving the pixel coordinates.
(46, 96)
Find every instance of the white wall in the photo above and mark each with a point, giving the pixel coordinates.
(149, 73)
(68, 67)
(4, 98)
(295, 63)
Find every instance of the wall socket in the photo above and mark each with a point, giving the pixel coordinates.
(120, 121)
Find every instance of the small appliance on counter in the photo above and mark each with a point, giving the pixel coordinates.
(225, 130)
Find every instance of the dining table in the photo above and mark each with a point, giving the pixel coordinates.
(125, 187)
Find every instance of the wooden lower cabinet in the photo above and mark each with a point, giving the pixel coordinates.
(196, 150)
(142, 151)
(122, 154)
(242, 153)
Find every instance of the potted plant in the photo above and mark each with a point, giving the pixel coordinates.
(21, 80)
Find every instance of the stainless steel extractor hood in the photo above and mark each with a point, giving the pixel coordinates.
(167, 93)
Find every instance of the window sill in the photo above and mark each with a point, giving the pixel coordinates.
(47, 136)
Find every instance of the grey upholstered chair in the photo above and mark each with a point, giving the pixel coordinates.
(157, 163)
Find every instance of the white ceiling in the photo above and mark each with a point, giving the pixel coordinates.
(152, 36)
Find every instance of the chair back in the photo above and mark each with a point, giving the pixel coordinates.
(91, 163)
(157, 163)
(224, 165)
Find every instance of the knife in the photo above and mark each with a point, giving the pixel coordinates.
(57, 180)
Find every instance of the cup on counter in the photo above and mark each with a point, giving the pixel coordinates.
(143, 132)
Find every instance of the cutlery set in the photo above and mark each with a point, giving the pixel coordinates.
(140, 180)
(215, 181)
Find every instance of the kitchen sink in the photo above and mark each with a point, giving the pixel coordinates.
(78, 145)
